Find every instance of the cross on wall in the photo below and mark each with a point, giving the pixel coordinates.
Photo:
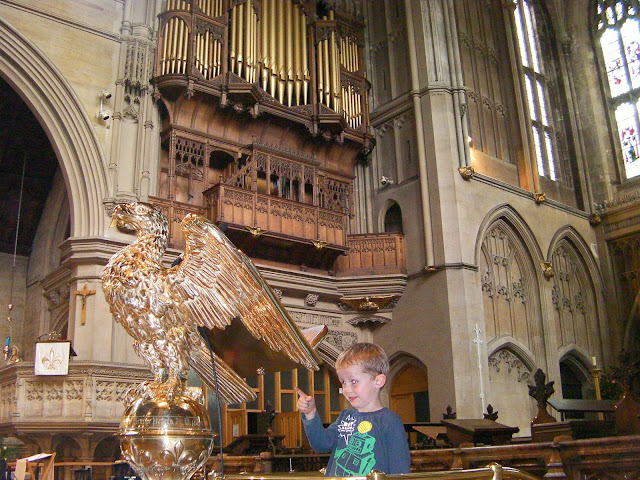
(85, 292)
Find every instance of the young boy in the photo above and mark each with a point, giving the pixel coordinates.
(368, 437)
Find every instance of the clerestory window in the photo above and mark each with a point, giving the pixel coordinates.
(536, 83)
(618, 37)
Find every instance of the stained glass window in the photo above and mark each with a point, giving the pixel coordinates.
(618, 34)
(536, 87)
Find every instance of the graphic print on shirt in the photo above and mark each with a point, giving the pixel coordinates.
(358, 457)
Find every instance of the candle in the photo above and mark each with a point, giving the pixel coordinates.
(593, 361)
(7, 342)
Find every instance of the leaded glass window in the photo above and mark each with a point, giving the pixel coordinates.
(536, 87)
(618, 36)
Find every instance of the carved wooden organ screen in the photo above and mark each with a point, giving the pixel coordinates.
(280, 46)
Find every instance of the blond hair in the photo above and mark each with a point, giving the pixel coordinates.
(369, 356)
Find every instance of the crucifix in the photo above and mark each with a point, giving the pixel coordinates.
(85, 292)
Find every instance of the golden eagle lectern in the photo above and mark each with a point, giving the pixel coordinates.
(217, 287)
(215, 295)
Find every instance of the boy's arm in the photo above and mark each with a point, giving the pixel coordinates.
(397, 447)
(321, 439)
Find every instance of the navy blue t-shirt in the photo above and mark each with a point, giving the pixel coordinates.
(360, 442)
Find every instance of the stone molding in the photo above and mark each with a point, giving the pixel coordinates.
(65, 119)
(88, 398)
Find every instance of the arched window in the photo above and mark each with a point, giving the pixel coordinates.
(618, 36)
(393, 219)
(537, 72)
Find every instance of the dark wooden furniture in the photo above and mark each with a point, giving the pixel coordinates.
(564, 406)
(478, 431)
(253, 444)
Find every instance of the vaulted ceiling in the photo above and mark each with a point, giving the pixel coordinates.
(24, 146)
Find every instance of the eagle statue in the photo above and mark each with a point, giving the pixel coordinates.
(215, 295)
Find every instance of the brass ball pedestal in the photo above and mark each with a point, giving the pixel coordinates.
(166, 438)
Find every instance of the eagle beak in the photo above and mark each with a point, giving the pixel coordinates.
(114, 222)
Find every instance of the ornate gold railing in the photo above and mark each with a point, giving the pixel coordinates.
(271, 214)
(373, 253)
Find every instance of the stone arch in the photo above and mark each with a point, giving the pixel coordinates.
(575, 376)
(518, 349)
(67, 448)
(508, 392)
(65, 121)
(577, 304)
(410, 399)
(510, 215)
(107, 449)
(579, 359)
(507, 254)
(389, 206)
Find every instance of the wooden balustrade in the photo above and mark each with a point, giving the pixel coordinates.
(373, 253)
(175, 212)
(277, 215)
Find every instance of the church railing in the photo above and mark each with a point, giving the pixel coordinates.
(266, 213)
(175, 212)
(373, 253)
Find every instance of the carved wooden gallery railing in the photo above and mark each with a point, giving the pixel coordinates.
(274, 214)
(283, 57)
(175, 212)
(368, 254)
(374, 253)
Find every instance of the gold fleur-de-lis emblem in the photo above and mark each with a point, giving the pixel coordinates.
(52, 359)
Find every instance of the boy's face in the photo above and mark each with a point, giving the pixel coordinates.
(361, 389)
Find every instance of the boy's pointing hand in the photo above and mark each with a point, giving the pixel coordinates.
(306, 404)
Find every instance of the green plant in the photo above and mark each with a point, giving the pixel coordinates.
(627, 372)
(610, 388)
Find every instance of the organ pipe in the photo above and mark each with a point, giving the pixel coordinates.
(234, 29)
(289, 54)
(271, 51)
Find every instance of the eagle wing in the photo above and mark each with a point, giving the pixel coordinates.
(218, 286)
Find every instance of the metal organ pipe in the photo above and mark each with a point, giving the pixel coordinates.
(289, 52)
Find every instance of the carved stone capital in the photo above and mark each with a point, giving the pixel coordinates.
(547, 270)
(539, 197)
(466, 172)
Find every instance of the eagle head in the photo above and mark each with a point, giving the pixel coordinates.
(143, 218)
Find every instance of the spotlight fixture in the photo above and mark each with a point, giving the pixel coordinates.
(386, 181)
(103, 113)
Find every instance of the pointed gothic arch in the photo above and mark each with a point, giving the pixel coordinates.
(507, 254)
(64, 119)
(408, 388)
(509, 376)
(577, 301)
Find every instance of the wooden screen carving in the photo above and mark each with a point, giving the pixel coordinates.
(507, 285)
(573, 300)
